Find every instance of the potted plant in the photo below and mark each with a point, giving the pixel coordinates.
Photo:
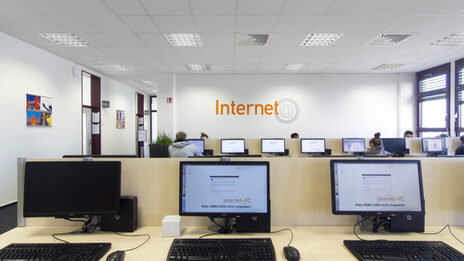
(159, 149)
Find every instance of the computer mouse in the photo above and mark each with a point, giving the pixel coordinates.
(116, 256)
(291, 253)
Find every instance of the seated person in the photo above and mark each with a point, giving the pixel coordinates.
(375, 146)
(294, 135)
(408, 134)
(181, 148)
(203, 135)
(460, 149)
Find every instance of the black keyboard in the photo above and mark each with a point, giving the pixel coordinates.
(222, 249)
(61, 252)
(402, 250)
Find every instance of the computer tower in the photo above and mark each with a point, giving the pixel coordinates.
(125, 220)
(407, 223)
(254, 223)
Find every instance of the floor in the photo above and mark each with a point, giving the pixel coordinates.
(8, 217)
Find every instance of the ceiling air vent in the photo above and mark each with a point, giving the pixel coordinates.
(388, 39)
(252, 39)
(387, 67)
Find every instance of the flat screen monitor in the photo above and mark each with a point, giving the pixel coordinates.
(433, 145)
(272, 145)
(223, 189)
(394, 145)
(354, 145)
(199, 143)
(71, 188)
(232, 146)
(376, 187)
(312, 145)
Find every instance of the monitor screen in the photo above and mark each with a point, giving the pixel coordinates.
(394, 145)
(71, 188)
(272, 145)
(312, 145)
(376, 187)
(354, 144)
(433, 145)
(223, 188)
(232, 146)
(199, 143)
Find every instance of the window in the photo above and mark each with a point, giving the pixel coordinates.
(432, 94)
(459, 97)
(153, 117)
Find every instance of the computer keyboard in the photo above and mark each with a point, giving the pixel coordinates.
(222, 249)
(402, 250)
(60, 252)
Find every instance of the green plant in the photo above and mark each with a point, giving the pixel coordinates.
(163, 139)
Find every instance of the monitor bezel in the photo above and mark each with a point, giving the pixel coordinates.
(77, 213)
(202, 141)
(376, 213)
(262, 139)
(343, 145)
(244, 146)
(403, 143)
(301, 145)
(227, 163)
(434, 138)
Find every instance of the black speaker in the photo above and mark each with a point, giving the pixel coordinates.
(407, 223)
(254, 223)
(125, 220)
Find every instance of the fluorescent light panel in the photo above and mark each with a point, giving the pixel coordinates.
(252, 39)
(117, 67)
(451, 40)
(321, 39)
(184, 39)
(66, 39)
(388, 67)
(293, 67)
(145, 82)
(198, 67)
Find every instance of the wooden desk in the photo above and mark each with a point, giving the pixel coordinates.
(313, 242)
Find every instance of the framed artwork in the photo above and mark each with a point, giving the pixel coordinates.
(38, 110)
(120, 119)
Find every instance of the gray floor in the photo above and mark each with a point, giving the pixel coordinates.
(8, 217)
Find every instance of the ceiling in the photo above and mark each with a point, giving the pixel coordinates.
(130, 32)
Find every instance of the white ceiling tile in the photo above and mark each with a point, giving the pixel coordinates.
(50, 7)
(195, 60)
(255, 24)
(213, 7)
(166, 7)
(97, 39)
(114, 50)
(74, 24)
(280, 51)
(11, 27)
(247, 60)
(398, 7)
(442, 7)
(304, 51)
(249, 51)
(35, 39)
(259, 7)
(221, 59)
(352, 6)
(355, 39)
(375, 24)
(175, 24)
(221, 67)
(188, 51)
(449, 24)
(216, 39)
(178, 68)
(295, 24)
(154, 39)
(164, 51)
(270, 66)
(285, 39)
(127, 60)
(171, 60)
(416, 24)
(218, 51)
(340, 51)
(39, 24)
(16, 7)
(140, 24)
(306, 7)
(335, 23)
(245, 67)
(215, 24)
(84, 51)
(126, 7)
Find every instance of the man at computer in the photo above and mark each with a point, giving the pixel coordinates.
(181, 148)
(460, 149)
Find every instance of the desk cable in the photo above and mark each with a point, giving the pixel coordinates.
(285, 229)
(441, 230)
(138, 235)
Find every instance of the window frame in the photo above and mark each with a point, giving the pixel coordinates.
(459, 65)
(151, 111)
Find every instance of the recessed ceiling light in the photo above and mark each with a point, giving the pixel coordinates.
(148, 83)
(252, 39)
(321, 39)
(198, 67)
(388, 67)
(293, 67)
(451, 40)
(66, 39)
(388, 39)
(117, 67)
(184, 39)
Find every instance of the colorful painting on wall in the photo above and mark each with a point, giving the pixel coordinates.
(38, 110)
(120, 119)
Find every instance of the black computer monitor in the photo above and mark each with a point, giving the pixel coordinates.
(231, 189)
(232, 146)
(376, 187)
(66, 189)
(436, 146)
(273, 145)
(311, 146)
(199, 143)
(394, 145)
(353, 145)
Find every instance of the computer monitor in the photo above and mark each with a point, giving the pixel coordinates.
(231, 146)
(273, 145)
(394, 145)
(66, 189)
(434, 145)
(232, 189)
(353, 145)
(312, 145)
(376, 187)
(199, 143)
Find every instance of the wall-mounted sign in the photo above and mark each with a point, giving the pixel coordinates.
(120, 119)
(38, 110)
(169, 100)
(105, 104)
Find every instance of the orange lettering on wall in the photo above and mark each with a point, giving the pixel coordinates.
(238, 108)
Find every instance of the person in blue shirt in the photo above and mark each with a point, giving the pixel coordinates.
(460, 149)
(181, 148)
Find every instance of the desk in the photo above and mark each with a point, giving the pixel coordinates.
(313, 242)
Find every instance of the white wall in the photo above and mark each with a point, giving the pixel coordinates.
(331, 105)
(166, 113)
(28, 69)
